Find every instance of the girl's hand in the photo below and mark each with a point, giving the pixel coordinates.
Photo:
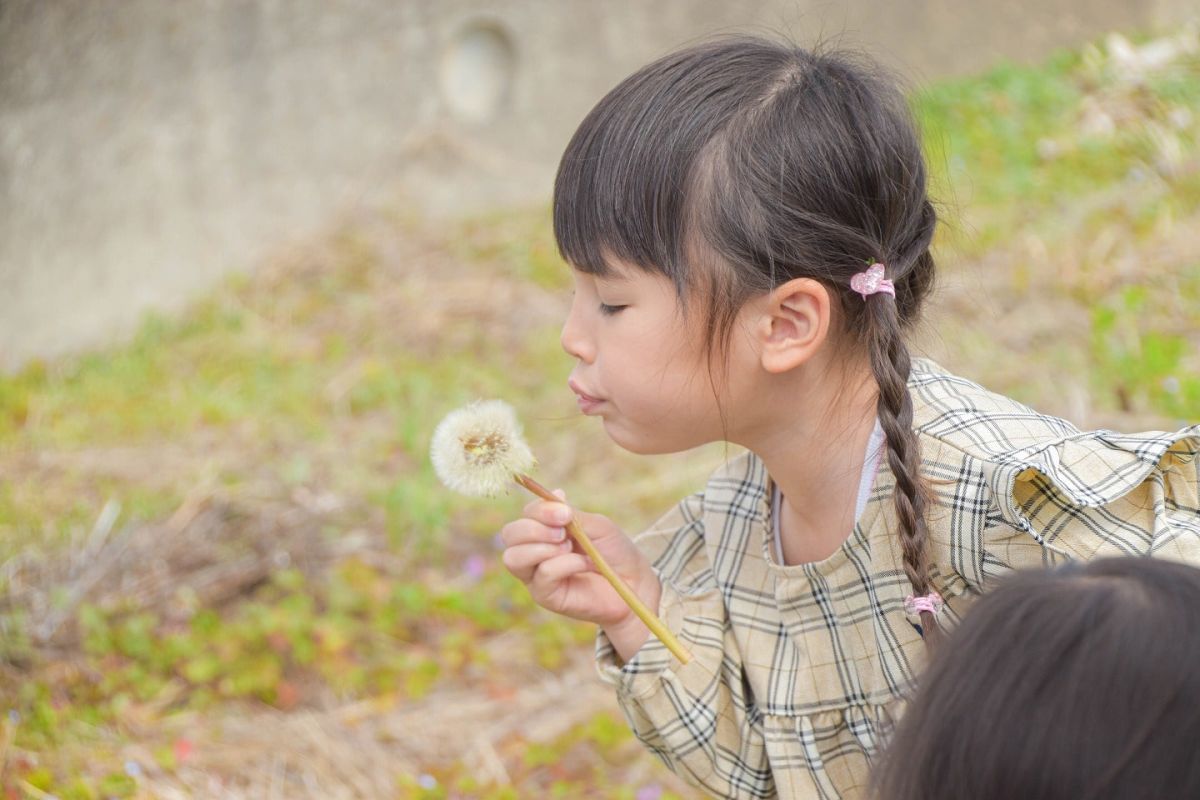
(561, 577)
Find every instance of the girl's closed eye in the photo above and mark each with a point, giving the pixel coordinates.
(608, 310)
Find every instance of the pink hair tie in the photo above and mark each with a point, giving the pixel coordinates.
(931, 602)
(872, 281)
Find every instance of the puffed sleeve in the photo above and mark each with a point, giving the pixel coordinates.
(697, 717)
(1097, 493)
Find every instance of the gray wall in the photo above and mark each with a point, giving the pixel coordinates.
(148, 147)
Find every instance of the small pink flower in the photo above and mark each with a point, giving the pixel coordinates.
(651, 791)
(475, 566)
(182, 749)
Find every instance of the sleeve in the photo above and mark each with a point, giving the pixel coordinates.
(1097, 494)
(698, 718)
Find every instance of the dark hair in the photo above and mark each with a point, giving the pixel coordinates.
(1080, 682)
(737, 164)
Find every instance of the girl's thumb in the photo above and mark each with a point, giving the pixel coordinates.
(560, 494)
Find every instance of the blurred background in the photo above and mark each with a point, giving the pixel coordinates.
(251, 252)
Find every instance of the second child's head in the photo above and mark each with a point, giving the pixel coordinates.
(1079, 683)
(716, 207)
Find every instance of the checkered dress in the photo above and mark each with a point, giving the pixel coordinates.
(797, 671)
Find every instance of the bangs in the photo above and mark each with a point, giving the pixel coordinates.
(627, 183)
(617, 194)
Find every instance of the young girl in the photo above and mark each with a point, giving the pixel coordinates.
(749, 231)
(1100, 699)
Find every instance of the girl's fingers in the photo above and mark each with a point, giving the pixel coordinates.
(525, 531)
(559, 568)
(547, 513)
(523, 560)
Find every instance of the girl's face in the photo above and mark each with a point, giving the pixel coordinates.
(636, 355)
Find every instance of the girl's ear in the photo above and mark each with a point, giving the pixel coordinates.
(793, 324)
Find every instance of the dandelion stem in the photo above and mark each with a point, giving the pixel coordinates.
(631, 599)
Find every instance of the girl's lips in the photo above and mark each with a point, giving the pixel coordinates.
(586, 402)
(582, 395)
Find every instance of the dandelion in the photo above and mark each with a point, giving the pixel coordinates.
(478, 451)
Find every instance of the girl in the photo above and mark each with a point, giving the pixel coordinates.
(749, 232)
(1100, 699)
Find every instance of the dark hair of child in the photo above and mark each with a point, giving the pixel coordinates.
(739, 164)
(1079, 682)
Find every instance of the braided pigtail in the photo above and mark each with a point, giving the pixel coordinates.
(891, 364)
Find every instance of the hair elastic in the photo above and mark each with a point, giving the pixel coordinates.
(931, 602)
(872, 281)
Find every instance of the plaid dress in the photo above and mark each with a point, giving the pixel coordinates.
(798, 671)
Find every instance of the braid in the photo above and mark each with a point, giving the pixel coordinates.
(918, 279)
(891, 364)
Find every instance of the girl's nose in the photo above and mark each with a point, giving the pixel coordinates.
(573, 340)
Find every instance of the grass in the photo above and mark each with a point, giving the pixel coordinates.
(1015, 133)
(323, 375)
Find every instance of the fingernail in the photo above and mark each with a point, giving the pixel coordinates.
(560, 494)
(562, 514)
(560, 534)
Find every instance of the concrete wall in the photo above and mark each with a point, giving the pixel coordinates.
(148, 147)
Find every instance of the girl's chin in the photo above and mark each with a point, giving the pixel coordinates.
(624, 439)
(642, 445)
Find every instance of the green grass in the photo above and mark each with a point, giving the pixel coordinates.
(982, 139)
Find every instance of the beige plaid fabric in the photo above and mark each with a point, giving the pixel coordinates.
(797, 671)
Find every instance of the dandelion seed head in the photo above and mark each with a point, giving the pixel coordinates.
(477, 449)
